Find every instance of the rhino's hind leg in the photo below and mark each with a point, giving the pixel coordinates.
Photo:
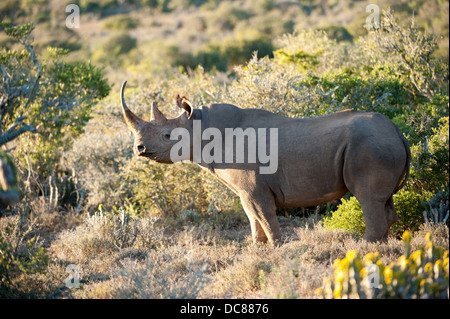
(391, 213)
(377, 217)
(379, 214)
(261, 210)
(378, 220)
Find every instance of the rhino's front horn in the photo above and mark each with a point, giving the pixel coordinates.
(133, 122)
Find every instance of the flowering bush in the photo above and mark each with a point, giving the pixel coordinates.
(421, 274)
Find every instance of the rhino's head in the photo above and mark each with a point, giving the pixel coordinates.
(152, 139)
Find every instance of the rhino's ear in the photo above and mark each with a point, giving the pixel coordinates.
(156, 115)
(185, 104)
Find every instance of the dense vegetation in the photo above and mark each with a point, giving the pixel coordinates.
(137, 229)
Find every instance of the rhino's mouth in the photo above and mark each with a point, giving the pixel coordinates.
(154, 156)
(150, 155)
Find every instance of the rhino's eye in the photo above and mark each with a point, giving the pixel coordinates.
(166, 136)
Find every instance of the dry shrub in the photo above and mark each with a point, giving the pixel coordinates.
(155, 278)
(292, 279)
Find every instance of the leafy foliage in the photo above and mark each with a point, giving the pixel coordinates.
(21, 255)
(431, 158)
(169, 191)
(409, 206)
(56, 98)
(348, 216)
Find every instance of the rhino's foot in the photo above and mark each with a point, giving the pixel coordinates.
(260, 239)
(374, 238)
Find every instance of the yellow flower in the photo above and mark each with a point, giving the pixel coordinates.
(319, 292)
(337, 291)
(445, 263)
(417, 257)
(388, 274)
(428, 268)
(344, 264)
(428, 237)
(337, 263)
(371, 258)
(339, 275)
(351, 255)
(406, 237)
(363, 272)
(380, 265)
(403, 262)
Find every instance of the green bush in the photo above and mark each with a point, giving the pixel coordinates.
(76, 84)
(311, 52)
(114, 50)
(409, 206)
(168, 190)
(412, 51)
(226, 18)
(119, 44)
(419, 122)
(52, 99)
(21, 256)
(430, 158)
(381, 91)
(338, 33)
(121, 23)
(210, 57)
(231, 52)
(97, 6)
(348, 216)
(304, 60)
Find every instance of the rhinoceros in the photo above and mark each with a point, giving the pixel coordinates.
(319, 160)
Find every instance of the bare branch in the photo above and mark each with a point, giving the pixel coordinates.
(427, 152)
(30, 49)
(5, 138)
(11, 93)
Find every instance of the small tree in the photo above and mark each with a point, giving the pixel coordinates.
(413, 51)
(18, 84)
(52, 99)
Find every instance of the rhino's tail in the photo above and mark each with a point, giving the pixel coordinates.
(405, 174)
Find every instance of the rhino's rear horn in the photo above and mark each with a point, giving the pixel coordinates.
(156, 115)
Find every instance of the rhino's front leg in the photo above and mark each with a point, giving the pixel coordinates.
(258, 233)
(261, 211)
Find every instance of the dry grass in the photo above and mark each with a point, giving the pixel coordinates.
(198, 261)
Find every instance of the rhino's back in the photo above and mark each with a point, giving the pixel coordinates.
(230, 116)
(312, 154)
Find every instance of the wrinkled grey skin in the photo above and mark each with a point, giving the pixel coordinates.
(320, 160)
